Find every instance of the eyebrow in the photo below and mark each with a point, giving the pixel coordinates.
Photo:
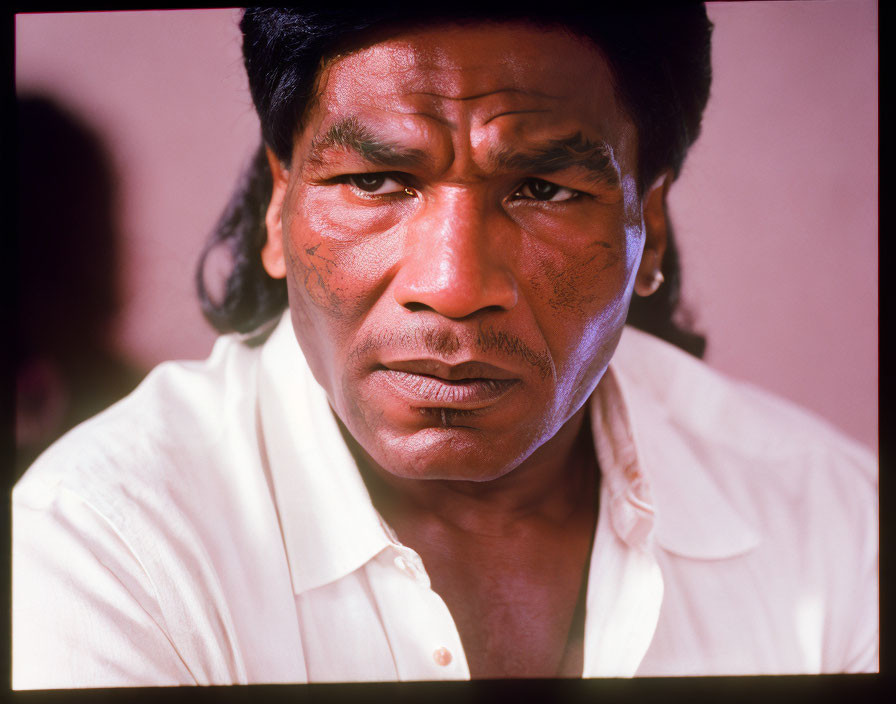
(351, 134)
(576, 151)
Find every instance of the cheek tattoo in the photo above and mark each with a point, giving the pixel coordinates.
(317, 273)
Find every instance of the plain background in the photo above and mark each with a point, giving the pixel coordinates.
(776, 210)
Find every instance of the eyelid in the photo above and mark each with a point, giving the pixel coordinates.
(395, 175)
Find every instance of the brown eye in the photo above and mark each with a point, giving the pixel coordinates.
(542, 190)
(368, 182)
(375, 184)
(537, 189)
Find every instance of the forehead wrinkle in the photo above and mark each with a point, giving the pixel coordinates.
(350, 133)
(515, 112)
(596, 157)
(431, 108)
(484, 94)
(440, 119)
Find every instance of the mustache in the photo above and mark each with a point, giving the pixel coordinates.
(446, 343)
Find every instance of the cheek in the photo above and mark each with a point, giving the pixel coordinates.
(581, 297)
(315, 275)
(572, 285)
(586, 279)
(336, 256)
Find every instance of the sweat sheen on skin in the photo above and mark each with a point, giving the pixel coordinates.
(378, 270)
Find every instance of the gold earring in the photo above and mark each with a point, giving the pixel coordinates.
(410, 191)
(656, 280)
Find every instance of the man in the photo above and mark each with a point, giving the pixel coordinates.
(449, 458)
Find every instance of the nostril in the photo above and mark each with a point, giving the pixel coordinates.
(416, 307)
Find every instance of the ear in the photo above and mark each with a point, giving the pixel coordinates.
(656, 225)
(272, 254)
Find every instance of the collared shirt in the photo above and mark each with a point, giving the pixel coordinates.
(213, 527)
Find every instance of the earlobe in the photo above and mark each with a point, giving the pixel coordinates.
(650, 274)
(272, 254)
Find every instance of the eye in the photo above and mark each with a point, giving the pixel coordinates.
(538, 189)
(375, 184)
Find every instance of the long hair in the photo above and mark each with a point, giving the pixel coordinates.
(658, 54)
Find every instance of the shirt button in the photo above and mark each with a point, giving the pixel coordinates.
(442, 656)
(402, 564)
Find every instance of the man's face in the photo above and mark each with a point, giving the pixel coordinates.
(460, 230)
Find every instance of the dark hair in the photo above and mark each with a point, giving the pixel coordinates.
(659, 55)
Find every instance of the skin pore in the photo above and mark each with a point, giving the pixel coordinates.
(460, 231)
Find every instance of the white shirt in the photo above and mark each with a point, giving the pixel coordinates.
(213, 528)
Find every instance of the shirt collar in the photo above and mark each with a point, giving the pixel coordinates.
(653, 463)
(329, 524)
(659, 488)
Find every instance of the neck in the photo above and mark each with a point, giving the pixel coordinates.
(553, 484)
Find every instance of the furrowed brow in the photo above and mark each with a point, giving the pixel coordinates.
(350, 134)
(576, 151)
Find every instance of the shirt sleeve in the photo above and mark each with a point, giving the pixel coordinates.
(864, 648)
(85, 612)
(847, 536)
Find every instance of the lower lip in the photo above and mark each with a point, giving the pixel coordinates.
(434, 392)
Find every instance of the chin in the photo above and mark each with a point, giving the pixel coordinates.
(452, 453)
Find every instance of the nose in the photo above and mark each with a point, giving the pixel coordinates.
(457, 259)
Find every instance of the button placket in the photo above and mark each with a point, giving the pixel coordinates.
(422, 635)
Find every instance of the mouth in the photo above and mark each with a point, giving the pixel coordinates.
(432, 384)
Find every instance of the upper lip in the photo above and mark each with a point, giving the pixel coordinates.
(472, 369)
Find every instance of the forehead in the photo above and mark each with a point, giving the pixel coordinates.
(470, 75)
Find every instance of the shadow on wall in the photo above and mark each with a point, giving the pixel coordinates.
(68, 294)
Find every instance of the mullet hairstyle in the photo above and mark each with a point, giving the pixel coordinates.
(658, 54)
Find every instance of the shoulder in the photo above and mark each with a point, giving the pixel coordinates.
(737, 472)
(726, 413)
(724, 457)
(791, 476)
(158, 472)
(180, 409)
(135, 533)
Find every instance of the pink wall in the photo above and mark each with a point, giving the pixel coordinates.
(777, 205)
(776, 209)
